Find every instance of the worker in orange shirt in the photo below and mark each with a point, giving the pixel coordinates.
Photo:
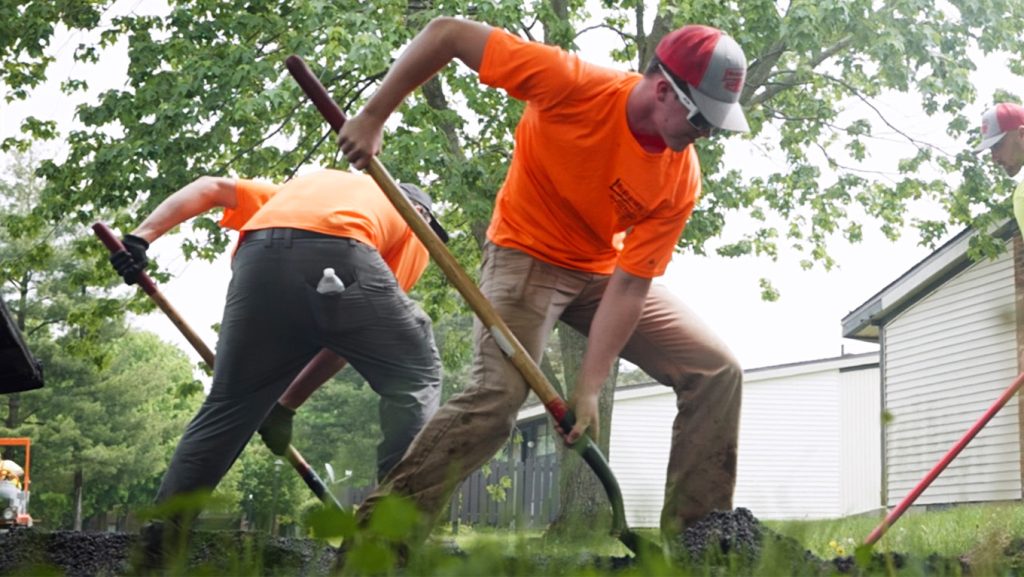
(602, 181)
(277, 323)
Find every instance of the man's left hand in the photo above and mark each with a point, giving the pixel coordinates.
(585, 409)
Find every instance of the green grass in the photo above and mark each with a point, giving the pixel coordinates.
(965, 529)
(978, 534)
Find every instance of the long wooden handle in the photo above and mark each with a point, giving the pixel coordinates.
(308, 474)
(507, 341)
(114, 245)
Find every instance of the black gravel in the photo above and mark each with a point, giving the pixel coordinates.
(727, 543)
(77, 554)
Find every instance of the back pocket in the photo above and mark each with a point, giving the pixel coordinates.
(341, 312)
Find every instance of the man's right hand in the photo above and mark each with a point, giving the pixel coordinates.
(360, 139)
(276, 430)
(132, 261)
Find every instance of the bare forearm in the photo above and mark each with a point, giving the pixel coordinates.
(319, 369)
(191, 200)
(443, 40)
(613, 325)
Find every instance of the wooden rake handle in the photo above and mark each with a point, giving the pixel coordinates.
(114, 245)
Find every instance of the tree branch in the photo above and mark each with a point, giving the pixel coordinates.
(754, 82)
(759, 71)
(433, 93)
(919, 144)
(833, 162)
(265, 138)
(626, 38)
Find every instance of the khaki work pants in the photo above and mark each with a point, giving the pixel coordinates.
(670, 344)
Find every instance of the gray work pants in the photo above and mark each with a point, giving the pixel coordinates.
(275, 322)
(670, 343)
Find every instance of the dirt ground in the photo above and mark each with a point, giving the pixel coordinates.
(729, 538)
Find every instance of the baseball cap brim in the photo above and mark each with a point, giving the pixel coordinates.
(438, 229)
(989, 142)
(724, 115)
(415, 194)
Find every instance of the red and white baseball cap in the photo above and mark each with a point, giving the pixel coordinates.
(997, 121)
(714, 67)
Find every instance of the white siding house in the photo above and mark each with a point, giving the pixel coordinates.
(809, 446)
(810, 439)
(949, 345)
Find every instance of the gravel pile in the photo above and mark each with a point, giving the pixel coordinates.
(76, 554)
(734, 541)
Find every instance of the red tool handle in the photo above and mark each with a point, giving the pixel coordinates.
(315, 91)
(923, 484)
(114, 245)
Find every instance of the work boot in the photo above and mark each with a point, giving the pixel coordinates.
(160, 542)
(149, 556)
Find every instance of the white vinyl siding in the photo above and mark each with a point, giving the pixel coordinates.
(638, 452)
(860, 441)
(948, 357)
(788, 464)
(792, 451)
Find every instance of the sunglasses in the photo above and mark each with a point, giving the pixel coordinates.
(695, 117)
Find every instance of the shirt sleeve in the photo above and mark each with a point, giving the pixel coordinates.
(650, 244)
(408, 261)
(250, 196)
(529, 71)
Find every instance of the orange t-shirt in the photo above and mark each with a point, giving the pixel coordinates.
(337, 203)
(581, 193)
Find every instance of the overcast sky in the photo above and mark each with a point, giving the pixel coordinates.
(804, 324)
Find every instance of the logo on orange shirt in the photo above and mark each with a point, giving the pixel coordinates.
(627, 206)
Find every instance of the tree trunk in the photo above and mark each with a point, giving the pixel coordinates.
(13, 404)
(585, 508)
(77, 491)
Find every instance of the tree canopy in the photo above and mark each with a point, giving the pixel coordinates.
(206, 92)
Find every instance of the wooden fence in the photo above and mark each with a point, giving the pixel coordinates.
(527, 498)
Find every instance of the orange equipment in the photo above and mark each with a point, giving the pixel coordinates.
(14, 492)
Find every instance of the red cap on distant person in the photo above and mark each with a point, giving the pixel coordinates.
(714, 67)
(997, 121)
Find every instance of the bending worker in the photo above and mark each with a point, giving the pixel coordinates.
(275, 320)
(603, 178)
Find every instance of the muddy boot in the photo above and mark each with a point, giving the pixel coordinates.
(149, 556)
(160, 543)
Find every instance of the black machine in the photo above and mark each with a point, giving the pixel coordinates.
(19, 370)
